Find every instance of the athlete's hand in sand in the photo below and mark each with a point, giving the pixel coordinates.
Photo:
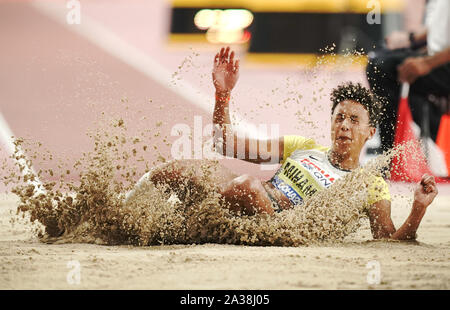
(425, 192)
(225, 72)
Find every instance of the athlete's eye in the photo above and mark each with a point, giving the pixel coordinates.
(340, 117)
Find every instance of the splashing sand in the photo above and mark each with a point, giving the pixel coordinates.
(94, 209)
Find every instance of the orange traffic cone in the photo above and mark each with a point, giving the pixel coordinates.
(443, 139)
(411, 164)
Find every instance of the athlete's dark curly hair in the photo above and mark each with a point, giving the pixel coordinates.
(357, 92)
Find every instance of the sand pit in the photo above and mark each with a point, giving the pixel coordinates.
(27, 263)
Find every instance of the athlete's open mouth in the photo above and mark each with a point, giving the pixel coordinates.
(344, 139)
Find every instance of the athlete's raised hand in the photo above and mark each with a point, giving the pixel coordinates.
(225, 71)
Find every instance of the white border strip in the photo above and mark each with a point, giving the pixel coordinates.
(6, 135)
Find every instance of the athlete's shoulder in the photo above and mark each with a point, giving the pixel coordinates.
(294, 142)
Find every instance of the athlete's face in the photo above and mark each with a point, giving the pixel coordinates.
(350, 128)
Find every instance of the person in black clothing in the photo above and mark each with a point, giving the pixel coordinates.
(424, 63)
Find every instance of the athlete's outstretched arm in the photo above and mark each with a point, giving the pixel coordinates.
(225, 75)
(380, 213)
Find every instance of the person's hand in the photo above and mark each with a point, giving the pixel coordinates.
(225, 72)
(397, 39)
(413, 68)
(425, 192)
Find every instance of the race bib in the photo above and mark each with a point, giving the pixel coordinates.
(303, 174)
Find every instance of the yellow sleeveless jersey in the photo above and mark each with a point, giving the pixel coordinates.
(306, 169)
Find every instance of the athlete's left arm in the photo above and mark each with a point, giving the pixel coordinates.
(380, 213)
